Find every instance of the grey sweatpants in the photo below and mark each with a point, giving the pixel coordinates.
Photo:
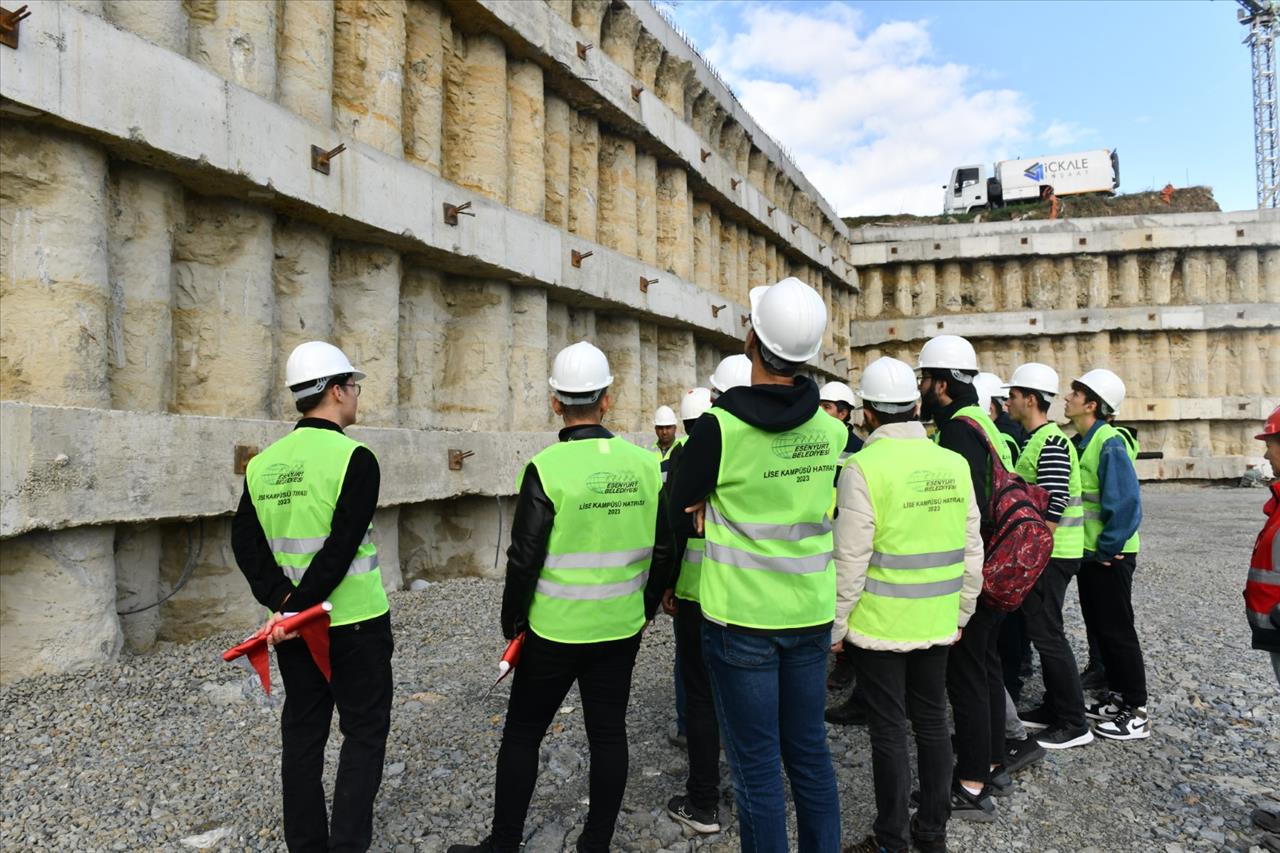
(1014, 730)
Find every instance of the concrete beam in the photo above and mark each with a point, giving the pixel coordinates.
(601, 85)
(1202, 468)
(1102, 235)
(1197, 408)
(1082, 321)
(64, 467)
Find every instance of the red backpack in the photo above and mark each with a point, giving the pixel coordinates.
(1016, 540)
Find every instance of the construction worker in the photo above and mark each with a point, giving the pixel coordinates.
(303, 534)
(589, 558)
(1049, 460)
(992, 400)
(698, 807)
(975, 684)
(731, 372)
(838, 400)
(756, 477)
(908, 560)
(1262, 590)
(664, 428)
(1112, 514)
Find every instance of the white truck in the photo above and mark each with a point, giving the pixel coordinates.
(973, 188)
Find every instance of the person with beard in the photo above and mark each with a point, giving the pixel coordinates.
(975, 685)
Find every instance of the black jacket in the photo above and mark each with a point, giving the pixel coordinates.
(774, 408)
(531, 529)
(352, 514)
(961, 438)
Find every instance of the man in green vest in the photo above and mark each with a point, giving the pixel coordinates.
(303, 534)
(908, 556)
(698, 807)
(1112, 513)
(1049, 460)
(756, 477)
(975, 684)
(589, 558)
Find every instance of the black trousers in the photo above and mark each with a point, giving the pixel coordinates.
(899, 686)
(1042, 617)
(360, 660)
(975, 686)
(1015, 651)
(1106, 601)
(701, 728)
(546, 672)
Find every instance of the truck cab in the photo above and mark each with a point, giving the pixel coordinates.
(967, 190)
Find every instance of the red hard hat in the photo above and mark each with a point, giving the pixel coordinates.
(1271, 427)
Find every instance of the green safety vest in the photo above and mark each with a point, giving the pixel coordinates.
(920, 496)
(1011, 444)
(605, 494)
(690, 570)
(767, 560)
(984, 420)
(1068, 539)
(1131, 445)
(294, 485)
(1091, 489)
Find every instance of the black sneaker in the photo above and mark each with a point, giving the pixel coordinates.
(1093, 678)
(704, 821)
(485, 846)
(1104, 709)
(851, 712)
(1021, 754)
(1001, 783)
(1128, 724)
(1063, 737)
(869, 845)
(966, 806)
(1038, 718)
(923, 845)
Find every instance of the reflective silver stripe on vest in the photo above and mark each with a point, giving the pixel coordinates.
(359, 566)
(596, 559)
(1078, 501)
(1259, 620)
(1093, 514)
(312, 545)
(934, 560)
(753, 531)
(692, 556)
(293, 573)
(740, 559)
(592, 592)
(915, 590)
(1091, 497)
(1071, 521)
(1264, 576)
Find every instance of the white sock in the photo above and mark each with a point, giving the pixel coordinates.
(975, 791)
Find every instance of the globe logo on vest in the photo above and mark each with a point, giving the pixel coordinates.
(613, 482)
(284, 473)
(801, 445)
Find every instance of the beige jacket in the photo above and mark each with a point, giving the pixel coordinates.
(855, 526)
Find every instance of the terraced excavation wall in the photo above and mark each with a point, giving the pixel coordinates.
(1184, 307)
(165, 242)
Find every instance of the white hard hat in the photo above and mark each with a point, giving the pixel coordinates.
(838, 392)
(730, 373)
(1106, 385)
(987, 385)
(579, 370)
(948, 352)
(664, 417)
(889, 385)
(315, 362)
(1035, 376)
(694, 403)
(789, 318)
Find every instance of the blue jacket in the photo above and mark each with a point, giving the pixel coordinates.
(1118, 490)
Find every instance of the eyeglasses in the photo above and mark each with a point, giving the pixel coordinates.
(355, 385)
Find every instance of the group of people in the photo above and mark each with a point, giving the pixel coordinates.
(774, 536)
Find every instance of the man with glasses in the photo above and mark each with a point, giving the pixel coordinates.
(303, 534)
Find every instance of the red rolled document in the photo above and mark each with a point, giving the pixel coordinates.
(510, 658)
(312, 625)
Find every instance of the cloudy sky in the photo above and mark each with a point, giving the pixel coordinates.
(877, 101)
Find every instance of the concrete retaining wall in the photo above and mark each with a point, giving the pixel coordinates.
(165, 243)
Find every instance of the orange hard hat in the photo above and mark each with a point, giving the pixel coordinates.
(1271, 427)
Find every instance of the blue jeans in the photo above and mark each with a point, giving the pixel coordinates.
(770, 693)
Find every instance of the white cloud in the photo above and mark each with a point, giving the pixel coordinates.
(871, 115)
(1060, 134)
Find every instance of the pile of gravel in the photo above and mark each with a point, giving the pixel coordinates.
(178, 750)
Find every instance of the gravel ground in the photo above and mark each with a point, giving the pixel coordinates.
(178, 750)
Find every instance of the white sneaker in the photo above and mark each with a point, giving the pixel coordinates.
(1129, 724)
(1104, 709)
